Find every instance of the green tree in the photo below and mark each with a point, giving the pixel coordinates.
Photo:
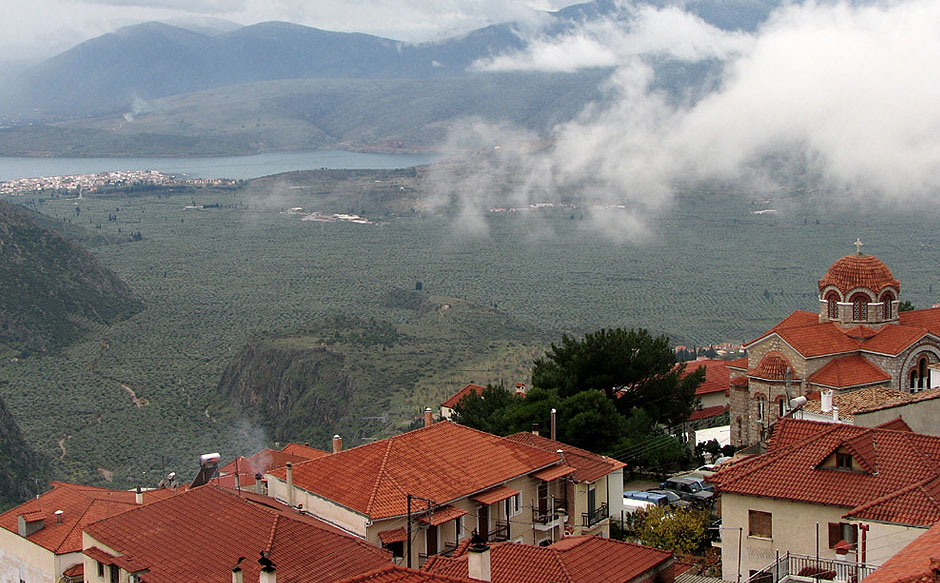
(683, 531)
(486, 411)
(631, 365)
(905, 306)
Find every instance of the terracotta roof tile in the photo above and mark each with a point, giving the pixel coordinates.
(396, 574)
(588, 466)
(928, 319)
(740, 363)
(861, 332)
(442, 515)
(851, 402)
(901, 398)
(494, 495)
(443, 462)
(708, 412)
(773, 367)
(789, 468)
(304, 451)
(717, 375)
(893, 339)
(393, 536)
(80, 505)
(553, 473)
(577, 559)
(897, 424)
(916, 505)
(471, 388)
(916, 561)
(848, 371)
(75, 571)
(199, 535)
(857, 270)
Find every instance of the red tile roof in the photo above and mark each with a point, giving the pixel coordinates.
(396, 574)
(304, 451)
(451, 402)
(199, 535)
(394, 535)
(442, 515)
(588, 466)
(443, 462)
(717, 375)
(576, 559)
(740, 363)
(553, 473)
(902, 399)
(861, 332)
(857, 270)
(929, 319)
(494, 495)
(918, 561)
(772, 367)
(80, 506)
(897, 424)
(849, 371)
(790, 469)
(893, 339)
(708, 412)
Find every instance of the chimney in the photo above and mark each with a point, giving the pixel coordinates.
(478, 561)
(237, 575)
(259, 484)
(554, 412)
(835, 413)
(290, 486)
(139, 496)
(428, 417)
(58, 516)
(28, 524)
(268, 575)
(337, 443)
(826, 398)
(535, 429)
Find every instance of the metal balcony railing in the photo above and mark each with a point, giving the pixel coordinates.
(797, 567)
(589, 519)
(500, 533)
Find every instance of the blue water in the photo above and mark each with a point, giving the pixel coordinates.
(237, 167)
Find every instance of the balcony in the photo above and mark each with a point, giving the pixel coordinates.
(547, 520)
(500, 533)
(794, 567)
(589, 519)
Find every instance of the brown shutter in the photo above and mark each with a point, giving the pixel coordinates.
(835, 534)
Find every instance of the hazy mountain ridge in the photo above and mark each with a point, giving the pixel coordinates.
(153, 60)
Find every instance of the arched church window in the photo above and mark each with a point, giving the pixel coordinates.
(887, 299)
(859, 307)
(922, 373)
(832, 303)
(913, 378)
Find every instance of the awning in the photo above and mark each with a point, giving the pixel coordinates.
(494, 495)
(396, 535)
(99, 555)
(553, 473)
(442, 515)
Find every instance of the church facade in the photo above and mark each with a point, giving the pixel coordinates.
(857, 339)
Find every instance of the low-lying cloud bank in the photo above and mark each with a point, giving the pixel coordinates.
(843, 97)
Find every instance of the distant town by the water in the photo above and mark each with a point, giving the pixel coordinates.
(80, 184)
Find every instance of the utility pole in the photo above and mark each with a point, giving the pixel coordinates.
(430, 504)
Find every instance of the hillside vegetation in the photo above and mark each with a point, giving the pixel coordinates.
(241, 276)
(51, 290)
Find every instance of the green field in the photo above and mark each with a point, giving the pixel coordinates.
(214, 278)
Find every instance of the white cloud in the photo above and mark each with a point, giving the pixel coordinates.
(850, 93)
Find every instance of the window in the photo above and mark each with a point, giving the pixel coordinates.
(397, 548)
(100, 568)
(887, 299)
(859, 307)
(761, 408)
(513, 505)
(832, 305)
(115, 572)
(759, 524)
(842, 532)
(843, 460)
(592, 499)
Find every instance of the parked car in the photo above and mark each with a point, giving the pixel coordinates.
(631, 504)
(651, 497)
(691, 489)
(673, 499)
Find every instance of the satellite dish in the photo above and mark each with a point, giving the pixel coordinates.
(797, 402)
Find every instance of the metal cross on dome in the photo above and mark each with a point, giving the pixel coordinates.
(858, 245)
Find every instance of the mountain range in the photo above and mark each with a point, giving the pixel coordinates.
(122, 76)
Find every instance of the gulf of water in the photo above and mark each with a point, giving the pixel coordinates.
(237, 167)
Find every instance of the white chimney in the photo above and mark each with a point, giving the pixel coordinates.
(826, 397)
(139, 496)
(58, 516)
(428, 417)
(237, 575)
(259, 484)
(478, 562)
(290, 484)
(268, 575)
(553, 424)
(835, 413)
(337, 443)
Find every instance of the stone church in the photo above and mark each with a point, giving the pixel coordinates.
(858, 339)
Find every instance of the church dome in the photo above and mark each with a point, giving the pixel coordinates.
(858, 270)
(772, 367)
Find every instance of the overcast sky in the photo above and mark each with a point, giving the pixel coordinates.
(41, 28)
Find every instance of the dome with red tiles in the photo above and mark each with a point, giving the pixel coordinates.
(772, 367)
(859, 271)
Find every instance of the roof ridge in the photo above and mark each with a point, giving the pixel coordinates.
(881, 499)
(380, 473)
(561, 563)
(78, 521)
(270, 544)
